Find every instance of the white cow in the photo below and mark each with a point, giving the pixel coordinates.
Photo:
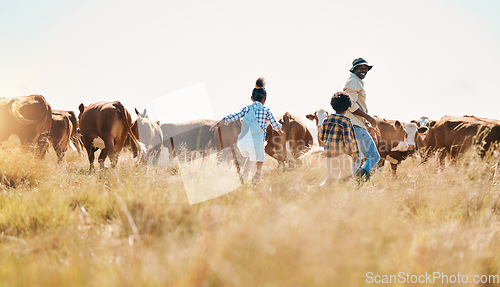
(150, 134)
(319, 116)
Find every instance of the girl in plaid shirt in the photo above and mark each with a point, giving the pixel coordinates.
(339, 140)
(251, 139)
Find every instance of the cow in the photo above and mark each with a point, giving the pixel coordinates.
(452, 136)
(288, 148)
(60, 134)
(149, 133)
(28, 117)
(196, 135)
(105, 125)
(486, 120)
(75, 136)
(189, 136)
(391, 142)
(319, 116)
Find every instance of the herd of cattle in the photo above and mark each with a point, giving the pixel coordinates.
(107, 126)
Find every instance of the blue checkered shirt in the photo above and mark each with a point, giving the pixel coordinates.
(263, 115)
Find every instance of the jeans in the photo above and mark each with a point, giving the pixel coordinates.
(367, 148)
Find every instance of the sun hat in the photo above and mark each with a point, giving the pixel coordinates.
(359, 61)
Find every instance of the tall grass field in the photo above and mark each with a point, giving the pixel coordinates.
(134, 226)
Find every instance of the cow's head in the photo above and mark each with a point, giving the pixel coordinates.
(400, 135)
(393, 135)
(423, 122)
(81, 108)
(144, 114)
(319, 116)
(415, 135)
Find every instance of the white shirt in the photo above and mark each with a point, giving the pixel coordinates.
(356, 90)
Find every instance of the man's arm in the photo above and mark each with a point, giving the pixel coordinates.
(371, 120)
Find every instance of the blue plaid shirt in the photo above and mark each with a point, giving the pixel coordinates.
(263, 115)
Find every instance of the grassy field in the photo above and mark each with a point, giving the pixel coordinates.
(133, 225)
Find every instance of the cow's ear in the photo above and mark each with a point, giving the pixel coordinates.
(397, 124)
(310, 117)
(158, 122)
(432, 123)
(423, 130)
(81, 107)
(144, 113)
(137, 112)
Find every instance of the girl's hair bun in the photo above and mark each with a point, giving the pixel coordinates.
(259, 84)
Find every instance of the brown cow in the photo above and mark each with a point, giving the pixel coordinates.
(60, 134)
(319, 116)
(486, 120)
(290, 147)
(414, 140)
(104, 126)
(454, 135)
(149, 133)
(28, 117)
(391, 143)
(75, 135)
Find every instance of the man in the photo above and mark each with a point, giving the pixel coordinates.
(358, 114)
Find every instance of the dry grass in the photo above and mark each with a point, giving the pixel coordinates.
(133, 226)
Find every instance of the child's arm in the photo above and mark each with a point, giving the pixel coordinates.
(231, 118)
(217, 125)
(274, 124)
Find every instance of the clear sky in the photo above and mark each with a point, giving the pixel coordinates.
(192, 59)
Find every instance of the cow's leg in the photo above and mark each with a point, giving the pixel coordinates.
(442, 157)
(62, 151)
(77, 142)
(43, 144)
(394, 168)
(275, 154)
(300, 150)
(295, 148)
(87, 143)
(59, 153)
(380, 165)
(108, 150)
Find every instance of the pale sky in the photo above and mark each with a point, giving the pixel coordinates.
(193, 59)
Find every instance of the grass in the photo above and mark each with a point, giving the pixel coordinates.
(133, 225)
